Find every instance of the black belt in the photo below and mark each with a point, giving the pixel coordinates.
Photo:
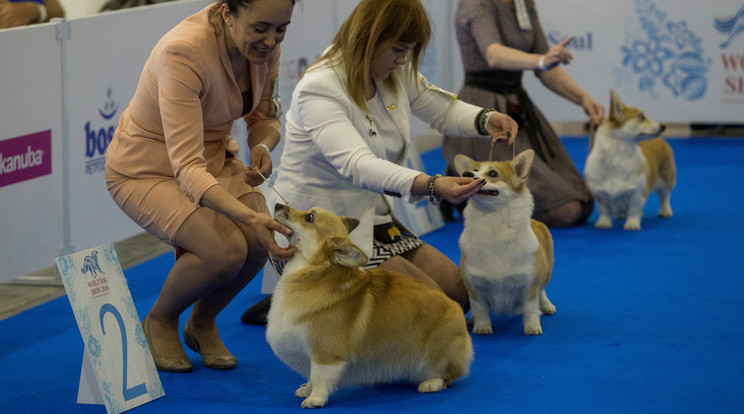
(508, 82)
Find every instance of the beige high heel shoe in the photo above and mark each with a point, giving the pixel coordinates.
(180, 363)
(214, 361)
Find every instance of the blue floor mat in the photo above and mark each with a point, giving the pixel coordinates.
(646, 322)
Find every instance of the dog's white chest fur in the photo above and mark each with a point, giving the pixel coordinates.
(287, 337)
(615, 170)
(499, 248)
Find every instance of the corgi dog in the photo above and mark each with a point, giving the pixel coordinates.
(626, 161)
(339, 325)
(506, 256)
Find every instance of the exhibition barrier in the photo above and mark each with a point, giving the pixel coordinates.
(70, 78)
(679, 60)
(65, 84)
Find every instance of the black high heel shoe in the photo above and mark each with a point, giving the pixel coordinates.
(258, 313)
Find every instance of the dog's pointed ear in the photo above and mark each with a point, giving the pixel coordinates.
(522, 164)
(617, 107)
(347, 254)
(463, 163)
(350, 222)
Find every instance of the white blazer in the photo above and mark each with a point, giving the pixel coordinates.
(332, 160)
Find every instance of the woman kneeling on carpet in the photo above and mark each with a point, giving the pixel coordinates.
(171, 167)
(348, 131)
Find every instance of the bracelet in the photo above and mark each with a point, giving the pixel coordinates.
(541, 63)
(434, 198)
(482, 119)
(263, 146)
(42, 13)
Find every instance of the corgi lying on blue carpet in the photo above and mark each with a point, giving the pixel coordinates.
(506, 256)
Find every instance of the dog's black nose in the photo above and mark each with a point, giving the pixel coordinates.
(468, 174)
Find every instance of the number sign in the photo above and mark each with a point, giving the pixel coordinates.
(116, 351)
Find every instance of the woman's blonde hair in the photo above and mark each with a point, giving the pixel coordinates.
(372, 23)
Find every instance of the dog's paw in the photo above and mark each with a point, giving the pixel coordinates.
(603, 223)
(303, 391)
(632, 224)
(482, 328)
(431, 385)
(665, 212)
(547, 309)
(533, 330)
(314, 402)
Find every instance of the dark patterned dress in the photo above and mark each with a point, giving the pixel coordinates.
(554, 179)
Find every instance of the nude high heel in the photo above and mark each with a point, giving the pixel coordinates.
(180, 363)
(214, 361)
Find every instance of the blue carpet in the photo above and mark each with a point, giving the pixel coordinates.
(647, 322)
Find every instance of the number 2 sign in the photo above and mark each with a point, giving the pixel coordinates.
(116, 350)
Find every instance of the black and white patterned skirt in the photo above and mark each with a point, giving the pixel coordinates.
(389, 240)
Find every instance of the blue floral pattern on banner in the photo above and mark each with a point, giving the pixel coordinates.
(670, 55)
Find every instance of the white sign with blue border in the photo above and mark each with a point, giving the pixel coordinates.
(116, 351)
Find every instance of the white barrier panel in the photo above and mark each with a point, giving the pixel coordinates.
(679, 60)
(103, 74)
(31, 162)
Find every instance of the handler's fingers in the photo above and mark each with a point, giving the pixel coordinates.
(252, 177)
(472, 189)
(278, 227)
(462, 189)
(281, 253)
(565, 41)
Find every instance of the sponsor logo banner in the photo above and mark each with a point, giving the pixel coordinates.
(25, 157)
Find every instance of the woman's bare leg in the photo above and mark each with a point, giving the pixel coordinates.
(566, 215)
(215, 251)
(206, 309)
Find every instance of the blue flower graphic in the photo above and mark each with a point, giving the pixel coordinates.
(647, 56)
(669, 54)
(680, 34)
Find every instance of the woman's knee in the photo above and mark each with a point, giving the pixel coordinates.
(225, 260)
(567, 215)
(256, 256)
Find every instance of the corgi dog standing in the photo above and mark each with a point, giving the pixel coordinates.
(339, 325)
(507, 257)
(626, 161)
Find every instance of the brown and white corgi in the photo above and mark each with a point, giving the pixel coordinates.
(339, 325)
(507, 257)
(626, 161)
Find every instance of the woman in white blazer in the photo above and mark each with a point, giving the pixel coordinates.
(348, 130)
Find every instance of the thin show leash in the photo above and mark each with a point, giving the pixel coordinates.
(514, 147)
(255, 199)
(286, 202)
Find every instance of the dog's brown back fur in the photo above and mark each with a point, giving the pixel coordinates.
(543, 257)
(374, 305)
(659, 163)
(376, 320)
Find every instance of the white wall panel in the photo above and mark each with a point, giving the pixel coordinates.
(31, 210)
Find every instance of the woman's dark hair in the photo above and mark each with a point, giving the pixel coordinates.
(235, 5)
